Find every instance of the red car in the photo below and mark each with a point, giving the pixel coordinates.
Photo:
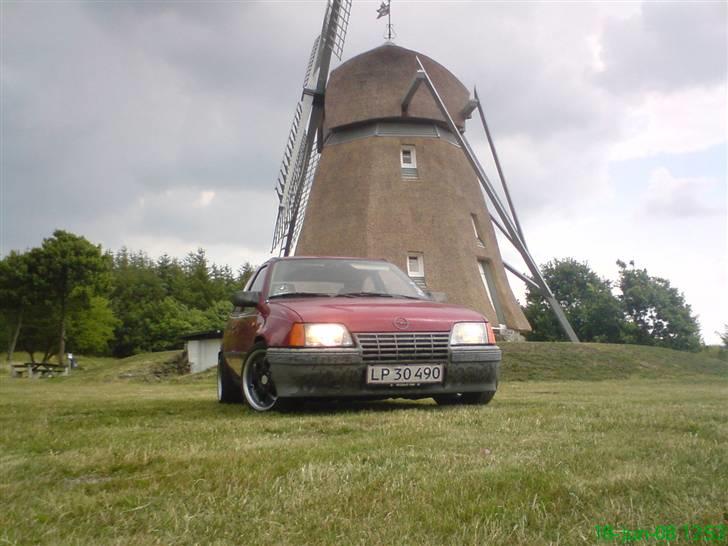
(351, 328)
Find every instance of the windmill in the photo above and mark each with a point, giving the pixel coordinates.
(383, 169)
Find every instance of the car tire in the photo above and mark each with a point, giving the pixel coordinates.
(227, 391)
(465, 398)
(477, 398)
(447, 399)
(257, 386)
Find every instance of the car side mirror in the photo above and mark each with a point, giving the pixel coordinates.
(244, 298)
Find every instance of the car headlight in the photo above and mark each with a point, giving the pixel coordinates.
(469, 333)
(320, 335)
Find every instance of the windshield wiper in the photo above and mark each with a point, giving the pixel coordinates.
(365, 295)
(408, 297)
(300, 295)
(377, 295)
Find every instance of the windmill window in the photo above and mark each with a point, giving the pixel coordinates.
(409, 156)
(416, 269)
(486, 275)
(408, 161)
(478, 238)
(415, 265)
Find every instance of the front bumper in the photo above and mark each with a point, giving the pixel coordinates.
(301, 373)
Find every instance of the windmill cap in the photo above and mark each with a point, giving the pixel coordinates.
(372, 85)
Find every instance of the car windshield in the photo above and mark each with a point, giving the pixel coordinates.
(350, 278)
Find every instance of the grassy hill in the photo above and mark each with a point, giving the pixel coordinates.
(578, 436)
(533, 361)
(601, 361)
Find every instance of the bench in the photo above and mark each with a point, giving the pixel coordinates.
(37, 369)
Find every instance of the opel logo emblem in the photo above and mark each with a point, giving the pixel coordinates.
(401, 323)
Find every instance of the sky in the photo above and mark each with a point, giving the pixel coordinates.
(160, 126)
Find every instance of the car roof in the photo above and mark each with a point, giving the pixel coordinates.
(343, 258)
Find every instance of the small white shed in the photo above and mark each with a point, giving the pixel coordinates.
(202, 349)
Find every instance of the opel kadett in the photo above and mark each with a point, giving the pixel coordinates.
(310, 327)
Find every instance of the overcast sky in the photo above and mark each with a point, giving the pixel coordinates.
(161, 125)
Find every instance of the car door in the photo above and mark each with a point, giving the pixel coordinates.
(242, 327)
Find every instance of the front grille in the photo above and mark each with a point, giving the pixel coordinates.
(413, 346)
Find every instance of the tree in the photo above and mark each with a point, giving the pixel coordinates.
(244, 274)
(56, 295)
(91, 329)
(724, 336)
(168, 320)
(39, 334)
(593, 311)
(16, 296)
(199, 290)
(223, 282)
(136, 287)
(171, 274)
(73, 271)
(656, 313)
(217, 315)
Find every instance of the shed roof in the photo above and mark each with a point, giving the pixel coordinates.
(209, 334)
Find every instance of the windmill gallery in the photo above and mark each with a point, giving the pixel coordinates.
(377, 165)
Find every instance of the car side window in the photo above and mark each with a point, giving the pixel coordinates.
(257, 284)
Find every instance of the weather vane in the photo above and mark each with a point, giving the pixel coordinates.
(383, 10)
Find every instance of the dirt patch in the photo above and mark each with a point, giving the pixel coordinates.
(178, 365)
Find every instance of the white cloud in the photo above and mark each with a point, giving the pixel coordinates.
(664, 47)
(678, 198)
(204, 199)
(673, 123)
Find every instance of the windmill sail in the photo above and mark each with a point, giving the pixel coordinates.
(300, 212)
(295, 177)
(288, 153)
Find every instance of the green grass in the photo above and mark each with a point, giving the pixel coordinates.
(600, 361)
(93, 459)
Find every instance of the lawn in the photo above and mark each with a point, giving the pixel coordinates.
(94, 459)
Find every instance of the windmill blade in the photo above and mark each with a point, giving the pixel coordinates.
(285, 185)
(312, 63)
(498, 166)
(334, 33)
(306, 122)
(300, 213)
(288, 152)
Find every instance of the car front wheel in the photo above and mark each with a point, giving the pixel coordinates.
(257, 382)
(477, 398)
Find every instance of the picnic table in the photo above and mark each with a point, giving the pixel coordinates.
(38, 369)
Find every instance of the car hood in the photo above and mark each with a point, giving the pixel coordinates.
(379, 314)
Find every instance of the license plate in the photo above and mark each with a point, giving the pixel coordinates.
(409, 374)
